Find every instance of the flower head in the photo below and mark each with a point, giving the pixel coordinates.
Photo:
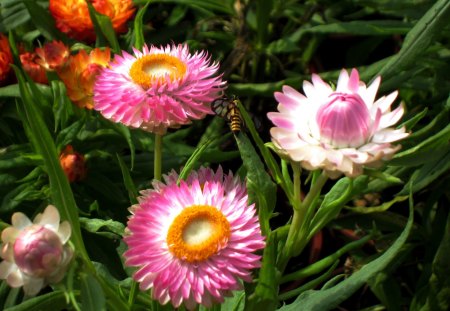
(73, 164)
(6, 58)
(157, 88)
(53, 55)
(35, 253)
(339, 130)
(79, 75)
(72, 16)
(31, 66)
(193, 242)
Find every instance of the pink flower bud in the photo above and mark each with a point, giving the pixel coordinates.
(35, 253)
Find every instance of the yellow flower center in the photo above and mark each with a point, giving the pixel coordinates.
(149, 68)
(197, 233)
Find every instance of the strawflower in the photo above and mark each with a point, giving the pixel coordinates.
(158, 88)
(339, 131)
(35, 253)
(72, 16)
(194, 241)
(79, 75)
(6, 58)
(31, 66)
(73, 164)
(53, 55)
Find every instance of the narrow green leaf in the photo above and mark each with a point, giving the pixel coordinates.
(104, 29)
(43, 21)
(128, 181)
(261, 188)
(324, 263)
(424, 33)
(92, 296)
(377, 209)
(50, 301)
(62, 195)
(139, 38)
(264, 296)
(265, 153)
(194, 159)
(328, 299)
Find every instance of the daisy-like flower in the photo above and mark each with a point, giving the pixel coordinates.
(6, 58)
(73, 164)
(339, 131)
(193, 242)
(32, 67)
(72, 16)
(35, 253)
(53, 55)
(80, 73)
(158, 88)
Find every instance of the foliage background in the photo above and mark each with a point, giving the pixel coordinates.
(261, 45)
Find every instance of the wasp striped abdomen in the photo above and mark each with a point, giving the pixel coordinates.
(227, 108)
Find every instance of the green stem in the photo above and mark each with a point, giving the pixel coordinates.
(301, 238)
(158, 157)
(296, 218)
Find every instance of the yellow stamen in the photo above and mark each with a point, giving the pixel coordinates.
(197, 233)
(149, 68)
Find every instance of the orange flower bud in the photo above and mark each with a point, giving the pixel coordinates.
(73, 164)
(6, 58)
(53, 55)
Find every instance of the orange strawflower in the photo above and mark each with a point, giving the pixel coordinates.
(6, 58)
(32, 68)
(53, 55)
(79, 75)
(73, 164)
(72, 16)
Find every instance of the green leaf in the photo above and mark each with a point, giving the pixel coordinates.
(43, 20)
(376, 209)
(424, 33)
(128, 181)
(264, 296)
(94, 225)
(104, 29)
(261, 188)
(139, 38)
(265, 153)
(92, 296)
(62, 196)
(328, 299)
(50, 301)
(436, 293)
(324, 263)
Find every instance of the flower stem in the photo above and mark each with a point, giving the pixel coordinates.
(301, 238)
(296, 218)
(297, 236)
(158, 157)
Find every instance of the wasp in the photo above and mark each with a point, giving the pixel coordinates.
(227, 108)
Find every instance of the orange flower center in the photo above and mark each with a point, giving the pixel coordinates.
(197, 233)
(149, 68)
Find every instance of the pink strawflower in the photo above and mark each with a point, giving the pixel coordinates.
(158, 88)
(35, 253)
(193, 242)
(339, 131)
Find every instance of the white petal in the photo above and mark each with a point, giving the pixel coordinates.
(389, 135)
(20, 220)
(369, 95)
(10, 234)
(32, 286)
(6, 268)
(321, 86)
(50, 218)
(385, 102)
(342, 84)
(64, 231)
(15, 278)
(391, 118)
